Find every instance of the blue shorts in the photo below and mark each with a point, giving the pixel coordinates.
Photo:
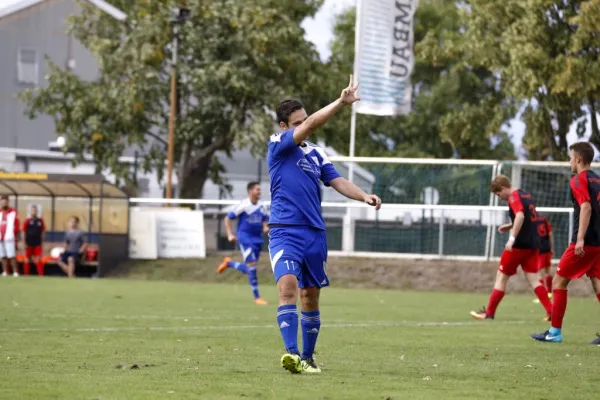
(64, 257)
(301, 251)
(250, 252)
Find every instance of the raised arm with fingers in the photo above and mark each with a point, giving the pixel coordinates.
(348, 96)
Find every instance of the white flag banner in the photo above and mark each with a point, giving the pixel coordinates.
(384, 55)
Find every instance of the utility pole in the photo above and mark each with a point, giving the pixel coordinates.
(181, 15)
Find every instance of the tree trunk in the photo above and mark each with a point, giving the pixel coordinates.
(551, 135)
(564, 120)
(194, 177)
(595, 136)
(183, 166)
(195, 166)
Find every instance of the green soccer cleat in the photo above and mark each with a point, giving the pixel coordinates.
(292, 363)
(309, 366)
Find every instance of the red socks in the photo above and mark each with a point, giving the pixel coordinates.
(495, 299)
(598, 296)
(559, 307)
(40, 268)
(549, 284)
(542, 294)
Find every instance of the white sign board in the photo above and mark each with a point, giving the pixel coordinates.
(180, 234)
(142, 234)
(159, 233)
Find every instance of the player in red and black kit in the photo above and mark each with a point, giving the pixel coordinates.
(546, 252)
(583, 254)
(33, 230)
(522, 248)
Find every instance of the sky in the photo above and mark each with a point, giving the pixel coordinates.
(6, 3)
(319, 30)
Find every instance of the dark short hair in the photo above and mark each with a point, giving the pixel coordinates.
(75, 218)
(251, 185)
(3, 197)
(583, 150)
(286, 108)
(499, 182)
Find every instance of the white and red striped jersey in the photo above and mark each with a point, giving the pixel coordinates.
(9, 224)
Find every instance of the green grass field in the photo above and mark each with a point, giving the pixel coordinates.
(78, 339)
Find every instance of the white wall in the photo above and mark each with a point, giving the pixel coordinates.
(60, 167)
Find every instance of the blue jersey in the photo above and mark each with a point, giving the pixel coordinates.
(295, 171)
(251, 217)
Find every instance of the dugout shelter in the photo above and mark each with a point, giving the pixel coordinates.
(102, 209)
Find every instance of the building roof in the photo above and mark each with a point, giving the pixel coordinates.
(10, 153)
(18, 6)
(57, 185)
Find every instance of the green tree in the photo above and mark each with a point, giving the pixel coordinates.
(456, 110)
(547, 54)
(237, 59)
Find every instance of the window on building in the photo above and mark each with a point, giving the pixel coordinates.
(27, 66)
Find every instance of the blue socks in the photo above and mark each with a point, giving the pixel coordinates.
(253, 279)
(555, 331)
(239, 266)
(246, 270)
(311, 324)
(287, 320)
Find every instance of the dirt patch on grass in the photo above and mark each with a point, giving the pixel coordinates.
(452, 276)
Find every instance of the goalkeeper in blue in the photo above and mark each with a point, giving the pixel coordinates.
(297, 239)
(252, 223)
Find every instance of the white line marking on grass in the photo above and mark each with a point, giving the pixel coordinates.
(165, 317)
(173, 317)
(374, 324)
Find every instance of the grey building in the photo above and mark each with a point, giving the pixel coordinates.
(30, 30)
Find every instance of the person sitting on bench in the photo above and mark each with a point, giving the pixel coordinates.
(75, 245)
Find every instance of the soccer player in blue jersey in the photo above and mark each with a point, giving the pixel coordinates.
(252, 223)
(297, 240)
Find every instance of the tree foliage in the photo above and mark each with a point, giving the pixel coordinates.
(478, 65)
(457, 111)
(546, 53)
(236, 60)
